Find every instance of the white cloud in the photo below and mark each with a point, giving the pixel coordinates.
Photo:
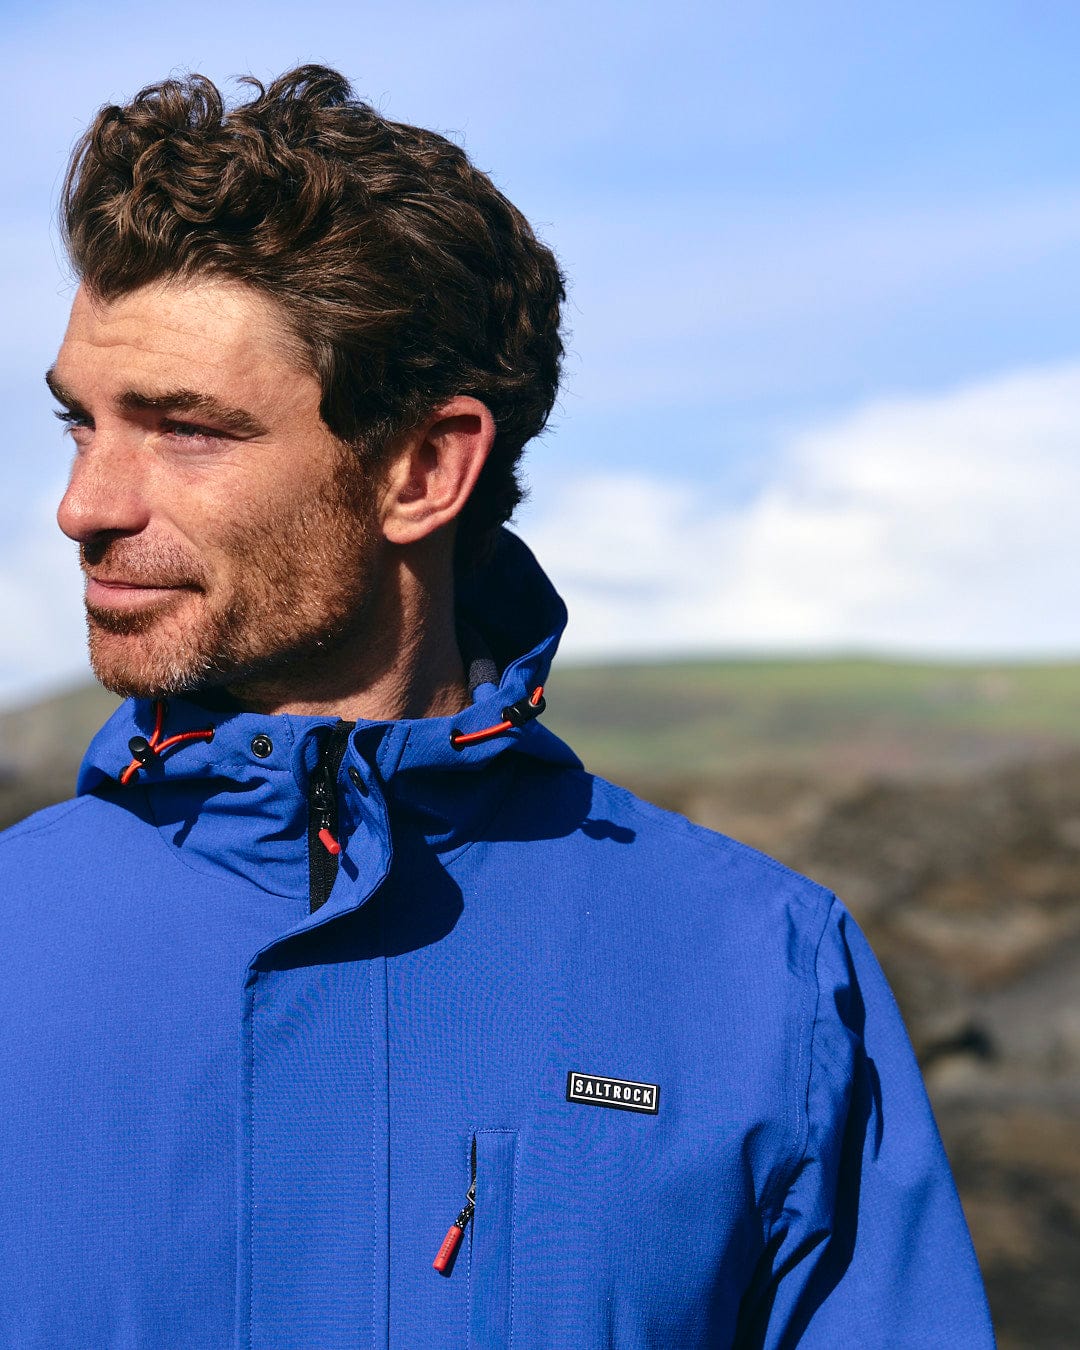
(947, 524)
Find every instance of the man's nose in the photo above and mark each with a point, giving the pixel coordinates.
(105, 494)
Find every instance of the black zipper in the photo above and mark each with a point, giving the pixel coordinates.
(323, 846)
(444, 1261)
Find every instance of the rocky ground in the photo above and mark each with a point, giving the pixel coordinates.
(969, 889)
(970, 893)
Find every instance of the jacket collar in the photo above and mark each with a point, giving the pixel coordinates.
(239, 803)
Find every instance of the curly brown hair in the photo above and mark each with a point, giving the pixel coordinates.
(406, 275)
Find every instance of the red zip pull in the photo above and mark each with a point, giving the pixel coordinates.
(453, 1234)
(329, 842)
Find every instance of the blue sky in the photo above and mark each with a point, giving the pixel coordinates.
(824, 377)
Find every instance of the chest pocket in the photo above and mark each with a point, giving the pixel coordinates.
(491, 1249)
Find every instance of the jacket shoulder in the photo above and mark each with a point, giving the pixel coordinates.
(702, 858)
(48, 818)
(644, 865)
(660, 826)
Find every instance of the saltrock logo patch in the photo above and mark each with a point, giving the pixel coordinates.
(620, 1093)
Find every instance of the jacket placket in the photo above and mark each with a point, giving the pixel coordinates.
(313, 1200)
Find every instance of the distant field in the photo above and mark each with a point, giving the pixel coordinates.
(702, 720)
(831, 716)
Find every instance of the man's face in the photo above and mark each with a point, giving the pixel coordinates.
(227, 537)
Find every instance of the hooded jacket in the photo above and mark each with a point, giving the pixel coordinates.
(250, 1081)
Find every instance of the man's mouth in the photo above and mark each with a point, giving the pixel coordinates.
(121, 593)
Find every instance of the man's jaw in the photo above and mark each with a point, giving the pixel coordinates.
(148, 650)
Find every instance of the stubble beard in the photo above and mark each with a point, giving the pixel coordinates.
(301, 586)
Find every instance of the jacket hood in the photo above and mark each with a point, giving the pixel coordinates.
(230, 788)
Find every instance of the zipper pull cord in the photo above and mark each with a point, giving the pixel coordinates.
(329, 842)
(323, 794)
(453, 1234)
(323, 820)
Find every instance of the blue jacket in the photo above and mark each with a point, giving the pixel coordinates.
(249, 1081)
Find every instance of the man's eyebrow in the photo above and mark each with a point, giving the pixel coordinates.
(61, 394)
(190, 402)
(194, 404)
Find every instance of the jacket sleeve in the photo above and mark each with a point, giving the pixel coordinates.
(869, 1246)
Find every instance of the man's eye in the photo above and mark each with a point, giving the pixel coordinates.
(191, 431)
(71, 419)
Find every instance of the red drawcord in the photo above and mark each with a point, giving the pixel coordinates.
(513, 716)
(144, 750)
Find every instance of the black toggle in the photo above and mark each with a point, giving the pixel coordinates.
(524, 710)
(141, 749)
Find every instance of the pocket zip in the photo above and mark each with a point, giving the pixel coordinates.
(454, 1233)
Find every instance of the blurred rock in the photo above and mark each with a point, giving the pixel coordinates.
(969, 891)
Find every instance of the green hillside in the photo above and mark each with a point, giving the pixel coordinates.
(832, 716)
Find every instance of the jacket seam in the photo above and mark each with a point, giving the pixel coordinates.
(469, 1280)
(488, 821)
(513, 1133)
(390, 767)
(178, 857)
(513, 1230)
(780, 1192)
(712, 838)
(251, 1164)
(24, 827)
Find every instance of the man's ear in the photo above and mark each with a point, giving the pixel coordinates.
(429, 479)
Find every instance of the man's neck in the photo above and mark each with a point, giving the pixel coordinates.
(400, 661)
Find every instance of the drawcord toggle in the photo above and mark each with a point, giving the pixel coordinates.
(143, 750)
(514, 715)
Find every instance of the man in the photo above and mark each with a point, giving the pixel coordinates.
(342, 1006)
